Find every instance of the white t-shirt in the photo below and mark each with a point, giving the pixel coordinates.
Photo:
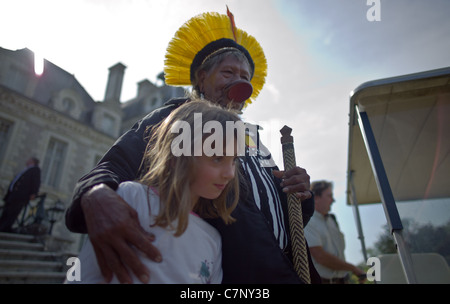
(192, 258)
(323, 231)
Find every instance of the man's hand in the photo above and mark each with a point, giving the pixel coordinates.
(113, 228)
(295, 180)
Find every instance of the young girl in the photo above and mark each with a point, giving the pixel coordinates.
(174, 195)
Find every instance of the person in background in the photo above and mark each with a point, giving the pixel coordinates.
(325, 239)
(23, 188)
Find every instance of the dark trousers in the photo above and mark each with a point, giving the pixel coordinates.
(11, 211)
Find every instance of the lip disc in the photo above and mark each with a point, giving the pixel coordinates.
(240, 91)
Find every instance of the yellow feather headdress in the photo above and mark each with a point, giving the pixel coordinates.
(199, 34)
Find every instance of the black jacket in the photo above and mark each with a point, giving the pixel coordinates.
(251, 254)
(27, 185)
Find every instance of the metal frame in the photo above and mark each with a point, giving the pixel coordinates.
(359, 116)
(387, 198)
(357, 216)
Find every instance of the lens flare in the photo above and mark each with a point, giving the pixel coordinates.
(38, 64)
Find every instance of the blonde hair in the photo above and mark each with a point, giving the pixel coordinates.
(172, 175)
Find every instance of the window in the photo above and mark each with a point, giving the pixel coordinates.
(68, 101)
(5, 133)
(108, 124)
(53, 162)
(68, 105)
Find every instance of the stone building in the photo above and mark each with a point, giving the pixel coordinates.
(52, 117)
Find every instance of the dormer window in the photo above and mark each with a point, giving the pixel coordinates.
(108, 123)
(68, 102)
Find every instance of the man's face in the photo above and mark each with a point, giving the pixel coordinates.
(213, 82)
(29, 162)
(323, 202)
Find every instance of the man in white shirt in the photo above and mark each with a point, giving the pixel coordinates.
(325, 240)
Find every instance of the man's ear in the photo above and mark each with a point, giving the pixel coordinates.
(201, 79)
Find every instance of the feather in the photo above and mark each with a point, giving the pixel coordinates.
(195, 34)
(233, 25)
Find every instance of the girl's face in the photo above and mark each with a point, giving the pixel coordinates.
(212, 175)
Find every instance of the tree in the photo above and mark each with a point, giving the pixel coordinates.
(420, 238)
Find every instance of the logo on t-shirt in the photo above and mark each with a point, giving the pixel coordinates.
(205, 273)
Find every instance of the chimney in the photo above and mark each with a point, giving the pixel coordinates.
(115, 80)
(145, 87)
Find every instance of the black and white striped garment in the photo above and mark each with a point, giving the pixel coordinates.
(258, 165)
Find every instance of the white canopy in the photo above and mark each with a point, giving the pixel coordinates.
(410, 119)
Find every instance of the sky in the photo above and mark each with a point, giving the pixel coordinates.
(317, 52)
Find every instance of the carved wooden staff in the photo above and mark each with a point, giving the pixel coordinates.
(299, 252)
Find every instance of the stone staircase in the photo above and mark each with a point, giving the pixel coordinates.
(29, 259)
